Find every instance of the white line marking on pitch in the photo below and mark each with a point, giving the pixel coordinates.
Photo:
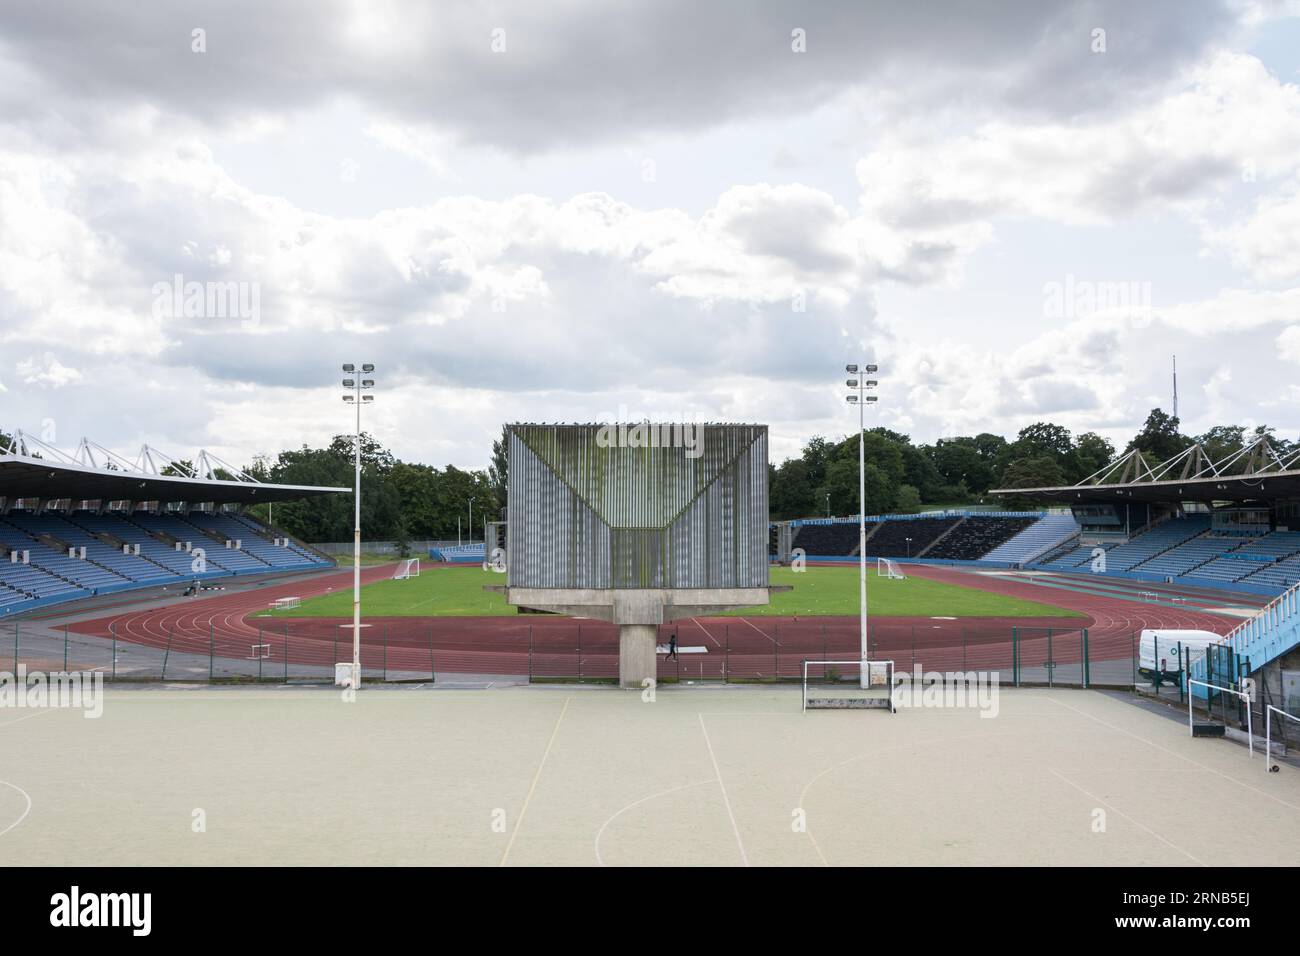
(1130, 819)
(1172, 753)
(634, 803)
(26, 796)
(519, 821)
(19, 720)
(723, 787)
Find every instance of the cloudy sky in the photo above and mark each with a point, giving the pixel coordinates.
(658, 208)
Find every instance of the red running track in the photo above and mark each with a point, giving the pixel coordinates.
(736, 647)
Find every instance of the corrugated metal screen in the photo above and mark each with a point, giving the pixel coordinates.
(598, 506)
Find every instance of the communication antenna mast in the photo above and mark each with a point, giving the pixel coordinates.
(1175, 386)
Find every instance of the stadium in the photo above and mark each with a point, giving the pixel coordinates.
(663, 436)
(166, 582)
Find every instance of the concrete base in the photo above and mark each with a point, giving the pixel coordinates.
(638, 613)
(636, 654)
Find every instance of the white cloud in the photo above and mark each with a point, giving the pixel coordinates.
(1288, 343)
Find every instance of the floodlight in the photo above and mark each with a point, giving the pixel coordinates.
(851, 398)
(870, 383)
(367, 369)
(347, 398)
(349, 368)
(367, 383)
(851, 369)
(367, 398)
(852, 383)
(869, 398)
(872, 368)
(349, 383)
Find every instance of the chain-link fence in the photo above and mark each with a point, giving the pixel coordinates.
(733, 650)
(283, 652)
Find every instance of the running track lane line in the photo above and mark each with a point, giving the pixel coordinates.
(706, 631)
(519, 821)
(723, 787)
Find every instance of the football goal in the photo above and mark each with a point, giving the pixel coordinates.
(886, 568)
(1210, 726)
(848, 685)
(410, 568)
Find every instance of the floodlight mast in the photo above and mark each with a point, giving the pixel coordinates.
(357, 399)
(861, 398)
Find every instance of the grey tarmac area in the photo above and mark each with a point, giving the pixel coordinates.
(580, 775)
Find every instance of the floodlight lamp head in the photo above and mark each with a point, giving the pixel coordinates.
(851, 369)
(347, 398)
(851, 398)
(367, 368)
(852, 383)
(349, 383)
(869, 398)
(349, 368)
(872, 368)
(367, 398)
(870, 383)
(367, 383)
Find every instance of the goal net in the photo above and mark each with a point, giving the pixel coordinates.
(886, 568)
(410, 568)
(848, 685)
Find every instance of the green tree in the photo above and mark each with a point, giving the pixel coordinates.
(1159, 438)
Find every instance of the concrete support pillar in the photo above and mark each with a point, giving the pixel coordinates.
(636, 653)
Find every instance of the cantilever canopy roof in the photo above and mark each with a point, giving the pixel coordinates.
(1260, 487)
(1255, 472)
(25, 477)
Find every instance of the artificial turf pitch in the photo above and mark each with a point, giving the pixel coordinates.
(826, 591)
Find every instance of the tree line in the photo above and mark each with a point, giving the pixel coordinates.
(403, 501)
(901, 477)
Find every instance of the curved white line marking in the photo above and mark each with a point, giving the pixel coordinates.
(636, 803)
(26, 796)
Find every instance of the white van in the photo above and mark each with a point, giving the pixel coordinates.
(1166, 650)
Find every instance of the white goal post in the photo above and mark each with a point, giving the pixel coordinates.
(885, 568)
(879, 674)
(1269, 711)
(410, 568)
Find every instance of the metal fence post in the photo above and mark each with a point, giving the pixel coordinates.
(171, 632)
(776, 654)
(726, 654)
